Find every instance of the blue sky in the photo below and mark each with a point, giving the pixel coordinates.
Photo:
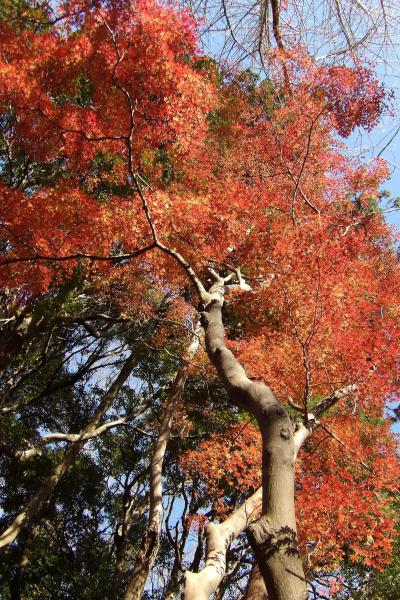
(369, 145)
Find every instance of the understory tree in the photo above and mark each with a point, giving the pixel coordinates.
(200, 315)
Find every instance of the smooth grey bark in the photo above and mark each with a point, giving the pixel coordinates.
(71, 453)
(273, 536)
(151, 540)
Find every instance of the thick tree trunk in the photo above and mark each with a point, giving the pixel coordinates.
(150, 543)
(273, 537)
(71, 453)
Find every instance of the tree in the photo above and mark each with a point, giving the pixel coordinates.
(334, 31)
(144, 187)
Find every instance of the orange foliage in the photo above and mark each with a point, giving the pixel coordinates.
(344, 486)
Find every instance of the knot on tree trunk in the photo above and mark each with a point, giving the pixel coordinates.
(285, 433)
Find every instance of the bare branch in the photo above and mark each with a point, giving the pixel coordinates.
(331, 400)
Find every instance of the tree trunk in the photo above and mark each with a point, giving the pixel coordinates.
(174, 583)
(150, 543)
(255, 586)
(200, 586)
(273, 536)
(120, 540)
(71, 453)
(15, 334)
(176, 575)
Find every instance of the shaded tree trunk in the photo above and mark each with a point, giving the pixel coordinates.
(23, 561)
(16, 334)
(120, 538)
(174, 582)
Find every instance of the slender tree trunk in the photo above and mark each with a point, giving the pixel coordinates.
(176, 577)
(119, 568)
(174, 582)
(150, 543)
(70, 455)
(120, 539)
(273, 536)
(120, 543)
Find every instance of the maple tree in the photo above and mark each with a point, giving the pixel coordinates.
(143, 188)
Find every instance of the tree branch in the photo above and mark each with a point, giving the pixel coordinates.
(46, 489)
(331, 400)
(200, 586)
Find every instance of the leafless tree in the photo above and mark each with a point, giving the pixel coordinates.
(338, 31)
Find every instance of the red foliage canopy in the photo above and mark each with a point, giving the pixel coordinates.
(238, 172)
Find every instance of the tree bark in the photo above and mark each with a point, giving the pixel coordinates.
(255, 586)
(176, 575)
(175, 578)
(67, 437)
(273, 536)
(16, 333)
(150, 543)
(173, 584)
(71, 453)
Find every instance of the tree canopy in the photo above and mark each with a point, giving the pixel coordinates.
(200, 314)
